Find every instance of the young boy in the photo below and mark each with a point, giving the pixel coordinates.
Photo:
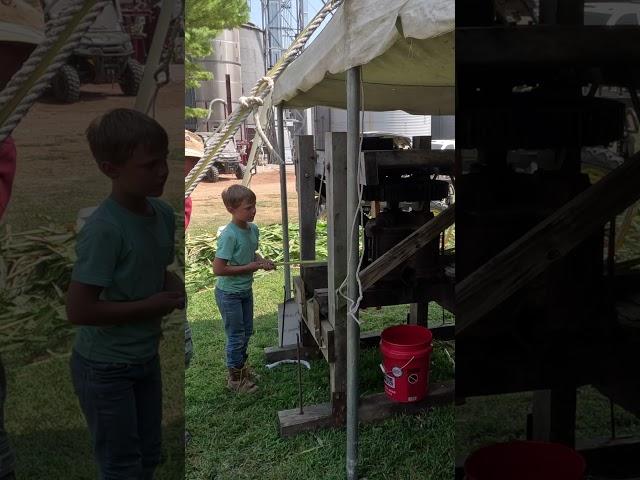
(236, 260)
(120, 290)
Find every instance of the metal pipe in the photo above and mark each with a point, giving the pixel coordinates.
(353, 329)
(148, 85)
(284, 207)
(299, 374)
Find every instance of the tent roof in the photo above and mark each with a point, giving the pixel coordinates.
(405, 48)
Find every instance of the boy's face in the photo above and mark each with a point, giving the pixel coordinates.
(143, 175)
(245, 212)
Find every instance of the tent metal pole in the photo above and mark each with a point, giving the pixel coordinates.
(353, 328)
(283, 206)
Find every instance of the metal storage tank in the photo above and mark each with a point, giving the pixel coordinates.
(225, 60)
(397, 121)
(252, 59)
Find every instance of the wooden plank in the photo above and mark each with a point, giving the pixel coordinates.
(547, 45)
(300, 295)
(274, 354)
(313, 319)
(406, 248)
(546, 243)
(436, 161)
(305, 185)
(337, 233)
(328, 341)
(373, 408)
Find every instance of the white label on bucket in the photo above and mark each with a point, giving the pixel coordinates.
(397, 372)
(413, 378)
(412, 399)
(389, 381)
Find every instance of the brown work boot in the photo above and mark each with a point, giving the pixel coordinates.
(249, 373)
(239, 383)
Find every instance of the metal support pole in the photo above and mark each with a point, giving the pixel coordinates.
(353, 329)
(148, 84)
(283, 206)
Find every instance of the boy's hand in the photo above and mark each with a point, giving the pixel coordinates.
(166, 302)
(268, 265)
(255, 266)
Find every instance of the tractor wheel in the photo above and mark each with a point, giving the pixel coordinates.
(212, 175)
(240, 171)
(66, 85)
(131, 78)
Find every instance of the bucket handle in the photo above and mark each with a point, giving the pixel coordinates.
(401, 368)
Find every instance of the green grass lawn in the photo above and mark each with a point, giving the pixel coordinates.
(236, 437)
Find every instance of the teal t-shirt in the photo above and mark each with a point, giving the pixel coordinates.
(128, 255)
(238, 246)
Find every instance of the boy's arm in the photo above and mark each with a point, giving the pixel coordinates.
(266, 263)
(222, 268)
(84, 306)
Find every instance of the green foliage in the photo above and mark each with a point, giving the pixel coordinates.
(201, 250)
(204, 20)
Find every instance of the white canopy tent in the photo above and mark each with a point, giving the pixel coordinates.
(405, 49)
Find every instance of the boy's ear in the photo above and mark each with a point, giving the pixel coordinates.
(109, 169)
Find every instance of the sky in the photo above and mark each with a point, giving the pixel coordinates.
(313, 6)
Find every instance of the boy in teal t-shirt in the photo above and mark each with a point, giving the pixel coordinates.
(235, 262)
(120, 290)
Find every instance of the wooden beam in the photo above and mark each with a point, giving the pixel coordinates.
(540, 45)
(337, 232)
(373, 408)
(274, 354)
(305, 185)
(547, 242)
(407, 248)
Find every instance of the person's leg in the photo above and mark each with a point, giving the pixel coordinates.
(148, 392)
(247, 321)
(230, 306)
(7, 459)
(107, 399)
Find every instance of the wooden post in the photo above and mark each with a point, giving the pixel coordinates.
(419, 313)
(554, 416)
(305, 186)
(337, 231)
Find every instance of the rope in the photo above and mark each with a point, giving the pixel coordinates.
(261, 90)
(63, 34)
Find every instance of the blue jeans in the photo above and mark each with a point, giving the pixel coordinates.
(237, 314)
(122, 404)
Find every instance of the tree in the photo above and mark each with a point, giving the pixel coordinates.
(204, 20)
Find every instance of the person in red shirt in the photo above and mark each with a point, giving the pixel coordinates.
(7, 174)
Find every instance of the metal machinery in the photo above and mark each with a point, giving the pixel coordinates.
(527, 220)
(405, 180)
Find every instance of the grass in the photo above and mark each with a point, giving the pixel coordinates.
(235, 437)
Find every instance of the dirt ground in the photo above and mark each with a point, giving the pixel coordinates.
(209, 212)
(56, 175)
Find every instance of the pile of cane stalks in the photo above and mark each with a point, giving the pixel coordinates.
(35, 271)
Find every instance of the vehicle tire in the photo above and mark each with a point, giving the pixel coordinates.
(131, 78)
(212, 175)
(65, 85)
(240, 171)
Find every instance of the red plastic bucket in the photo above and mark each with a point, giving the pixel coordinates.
(406, 350)
(525, 461)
